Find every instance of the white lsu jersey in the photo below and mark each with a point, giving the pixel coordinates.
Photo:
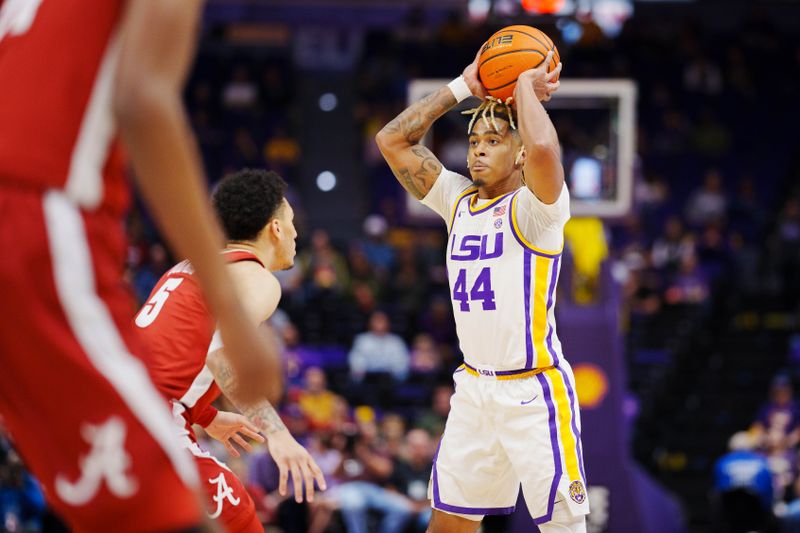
(503, 262)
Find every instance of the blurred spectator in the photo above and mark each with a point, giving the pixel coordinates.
(148, 274)
(743, 490)
(672, 246)
(393, 430)
(240, 92)
(702, 76)
(324, 268)
(316, 402)
(408, 288)
(364, 469)
(778, 422)
(282, 153)
(709, 202)
(379, 350)
(22, 502)
(412, 472)
(690, 286)
(378, 251)
(425, 356)
(433, 419)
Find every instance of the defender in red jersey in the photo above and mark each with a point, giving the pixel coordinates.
(189, 364)
(73, 391)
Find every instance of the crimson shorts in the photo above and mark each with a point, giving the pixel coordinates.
(228, 501)
(81, 408)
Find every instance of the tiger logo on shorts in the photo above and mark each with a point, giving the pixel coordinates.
(577, 492)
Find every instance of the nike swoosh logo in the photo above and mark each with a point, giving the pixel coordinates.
(529, 401)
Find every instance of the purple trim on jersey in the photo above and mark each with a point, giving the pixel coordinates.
(575, 431)
(437, 501)
(517, 236)
(556, 451)
(526, 284)
(458, 203)
(550, 293)
(487, 206)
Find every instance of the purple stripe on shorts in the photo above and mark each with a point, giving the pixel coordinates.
(556, 451)
(550, 292)
(575, 431)
(526, 284)
(437, 501)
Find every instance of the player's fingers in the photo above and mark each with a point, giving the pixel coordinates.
(547, 60)
(553, 73)
(243, 443)
(297, 481)
(553, 87)
(231, 449)
(319, 477)
(251, 433)
(283, 478)
(308, 479)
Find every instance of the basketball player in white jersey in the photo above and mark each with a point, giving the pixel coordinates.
(514, 417)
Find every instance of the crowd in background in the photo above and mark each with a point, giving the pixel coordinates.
(367, 327)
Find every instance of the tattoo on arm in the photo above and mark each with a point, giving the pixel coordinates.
(415, 167)
(414, 122)
(425, 173)
(261, 413)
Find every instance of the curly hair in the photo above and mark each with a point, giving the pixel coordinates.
(246, 200)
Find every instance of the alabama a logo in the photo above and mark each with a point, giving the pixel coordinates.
(224, 492)
(577, 492)
(106, 461)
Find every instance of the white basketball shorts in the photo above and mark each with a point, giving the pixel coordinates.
(506, 429)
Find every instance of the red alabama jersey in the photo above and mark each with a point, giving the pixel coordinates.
(57, 131)
(180, 331)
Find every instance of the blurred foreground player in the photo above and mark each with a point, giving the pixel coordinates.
(514, 417)
(189, 364)
(79, 403)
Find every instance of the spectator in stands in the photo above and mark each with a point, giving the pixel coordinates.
(743, 490)
(323, 267)
(240, 93)
(709, 202)
(690, 286)
(282, 152)
(316, 402)
(412, 473)
(379, 350)
(432, 420)
(363, 472)
(379, 252)
(425, 356)
(392, 433)
(22, 503)
(778, 422)
(148, 274)
(671, 246)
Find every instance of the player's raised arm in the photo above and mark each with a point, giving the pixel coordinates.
(158, 42)
(414, 165)
(543, 170)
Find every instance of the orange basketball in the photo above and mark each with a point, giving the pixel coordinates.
(510, 52)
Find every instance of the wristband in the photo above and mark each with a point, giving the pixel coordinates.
(460, 89)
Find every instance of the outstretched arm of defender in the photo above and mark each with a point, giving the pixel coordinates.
(414, 165)
(543, 170)
(260, 292)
